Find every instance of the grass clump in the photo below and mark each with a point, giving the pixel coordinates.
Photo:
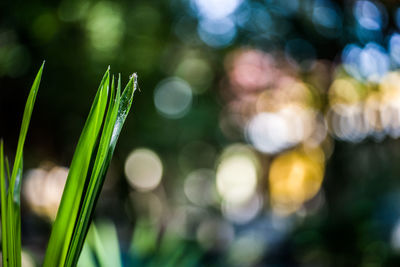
(86, 175)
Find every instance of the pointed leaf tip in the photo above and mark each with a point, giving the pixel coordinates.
(133, 76)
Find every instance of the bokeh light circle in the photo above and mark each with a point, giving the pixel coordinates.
(143, 169)
(173, 98)
(295, 177)
(237, 174)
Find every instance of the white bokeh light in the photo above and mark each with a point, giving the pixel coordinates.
(272, 132)
(268, 132)
(144, 169)
(237, 174)
(215, 9)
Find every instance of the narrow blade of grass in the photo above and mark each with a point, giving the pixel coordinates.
(87, 259)
(67, 215)
(3, 206)
(96, 246)
(14, 219)
(102, 240)
(16, 204)
(24, 126)
(8, 171)
(109, 238)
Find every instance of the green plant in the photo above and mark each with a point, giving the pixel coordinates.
(149, 247)
(86, 175)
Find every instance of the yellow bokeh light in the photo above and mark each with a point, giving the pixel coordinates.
(294, 178)
(372, 111)
(391, 84)
(346, 90)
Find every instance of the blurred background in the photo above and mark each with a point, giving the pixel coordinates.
(265, 133)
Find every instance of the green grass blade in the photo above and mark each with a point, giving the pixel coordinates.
(13, 221)
(8, 171)
(10, 235)
(87, 258)
(7, 237)
(114, 121)
(17, 214)
(112, 95)
(67, 215)
(125, 106)
(102, 239)
(3, 207)
(97, 247)
(109, 238)
(25, 124)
